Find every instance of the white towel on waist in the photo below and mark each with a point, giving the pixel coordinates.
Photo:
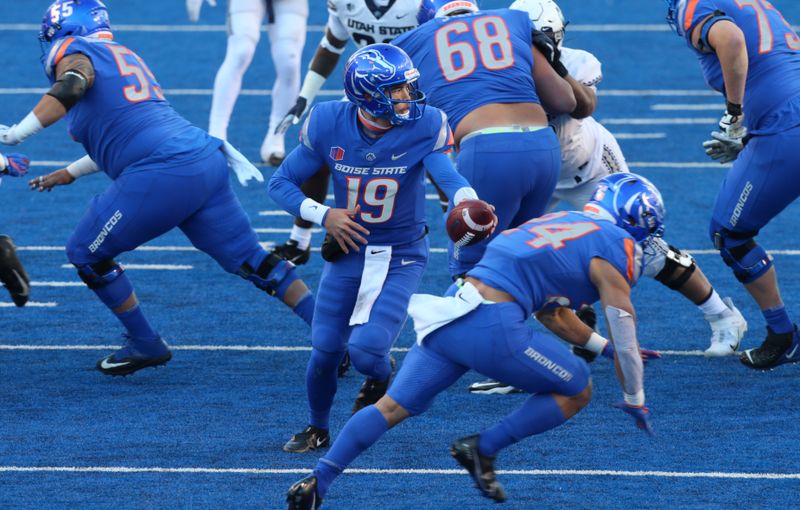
(432, 312)
(376, 267)
(240, 165)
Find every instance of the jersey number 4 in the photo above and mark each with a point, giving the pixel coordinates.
(458, 59)
(765, 35)
(130, 64)
(554, 234)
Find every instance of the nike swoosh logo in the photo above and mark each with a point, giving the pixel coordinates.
(313, 207)
(789, 355)
(106, 364)
(22, 283)
(375, 252)
(395, 157)
(319, 441)
(405, 262)
(401, 16)
(462, 298)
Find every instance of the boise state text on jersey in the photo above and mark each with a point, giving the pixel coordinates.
(772, 94)
(545, 261)
(391, 195)
(485, 56)
(124, 116)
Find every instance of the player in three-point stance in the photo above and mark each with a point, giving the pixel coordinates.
(751, 54)
(378, 146)
(558, 261)
(165, 173)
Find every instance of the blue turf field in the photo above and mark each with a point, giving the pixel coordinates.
(206, 431)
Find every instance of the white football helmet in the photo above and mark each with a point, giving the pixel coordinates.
(546, 16)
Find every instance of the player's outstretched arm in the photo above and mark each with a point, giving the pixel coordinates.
(322, 65)
(553, 90)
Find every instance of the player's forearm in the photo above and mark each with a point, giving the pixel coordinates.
(81, 167)
(284, 185)
(628, 360)
(563, 323)
(452, 183)
(585, 98)
(729, 43)
(49, 111)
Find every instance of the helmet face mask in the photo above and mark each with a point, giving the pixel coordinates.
(546, 17)
(73, 17)
(376, 73)
(631, 202)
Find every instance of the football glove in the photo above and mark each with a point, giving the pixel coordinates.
(292, 116)
(193, 8)
(14, 164)
(641, 414)
(549, 49)
(726, 144)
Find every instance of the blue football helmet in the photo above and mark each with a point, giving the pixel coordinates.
(73, 17)
(372, 71)
(429, 9)
(631, 202)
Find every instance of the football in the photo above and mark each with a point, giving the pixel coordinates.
(470, 222)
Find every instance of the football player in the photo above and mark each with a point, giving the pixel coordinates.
(286, 29)
(378, 146)
(750, 54)
(481, 69)
(165, 173)
(364, 22)
(12, 272)
(547, 264)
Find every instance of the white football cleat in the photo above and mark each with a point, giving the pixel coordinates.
(727, 330)
(272, 150)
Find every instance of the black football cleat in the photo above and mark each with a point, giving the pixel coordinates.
(12, 273)
(372, 390)
(302, 495)
(588, 316)
(312, 438)
(135, 355)
(777, 349)
(480, 467)
(289, 251)
(344, 365)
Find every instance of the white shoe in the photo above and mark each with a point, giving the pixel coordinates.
(272, 150)
(727, 330)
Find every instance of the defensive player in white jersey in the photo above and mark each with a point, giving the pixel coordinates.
(286, 23)
(365, 22)
(589, 152)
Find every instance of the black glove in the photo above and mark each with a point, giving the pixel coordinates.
(549, 49)
(292, 116)
(330, 250)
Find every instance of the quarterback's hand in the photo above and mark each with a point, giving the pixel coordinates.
(549, 49)
(641, 414)
(14, 164)
(340, 224)
(193, 8)
(293, 116)
(646, 354)
(728, 142)
(7, 136)
(51, 180)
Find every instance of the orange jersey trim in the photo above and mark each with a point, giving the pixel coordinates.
(62, 50)
(629, 252)
(687, 20)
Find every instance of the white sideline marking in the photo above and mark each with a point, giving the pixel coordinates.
(35, 304)
(692, 107)
(658, 92)
(271, 230)
(273, 213)
(57, 284)
(654, 121)
(658, 164)
(449, 472)
(639, 136)
(152, 267)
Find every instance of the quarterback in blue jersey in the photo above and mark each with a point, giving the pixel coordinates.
(547, 265)
(12, 273)
(378, 146)
(165, 173)
(750, 54)
(480, 67)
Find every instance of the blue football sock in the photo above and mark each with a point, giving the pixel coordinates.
(117, 292)
(136, 323)
(538, 414)
(305, 308)
(778, 320)
(359, 433)
(321, 381)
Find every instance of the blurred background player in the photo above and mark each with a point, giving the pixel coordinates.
(286, 29)
(480, 68)
(165, 173)
(364, 22)
(12, 273)
(751, 54)
(378, 146)
(525, 270)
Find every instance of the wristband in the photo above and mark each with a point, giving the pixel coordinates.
(81, 167)
(733, 109)
(596, 343)
(465, 193)
(27, 127)
(312, 83)
(311, 210)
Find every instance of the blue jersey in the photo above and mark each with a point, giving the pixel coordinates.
(384, 176)
(472, 60)
(772, 91)
(123, 117)
(545, 262)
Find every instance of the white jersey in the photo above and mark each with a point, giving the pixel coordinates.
(583, 157)
(371, 21)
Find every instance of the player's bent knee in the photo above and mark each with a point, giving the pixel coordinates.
(324, 362)
(748, 260)
(369, 364)
(241, 49)
(274, 275)
(583, 398)
(99, 274)
(678, 268)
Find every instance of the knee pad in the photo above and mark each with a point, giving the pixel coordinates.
(324, 362)
(742, 254)
(99, 274)
(274, 275)
(678, 268)
(375, 366)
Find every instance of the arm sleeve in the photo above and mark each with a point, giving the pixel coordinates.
(284, 185)
(444, 174)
